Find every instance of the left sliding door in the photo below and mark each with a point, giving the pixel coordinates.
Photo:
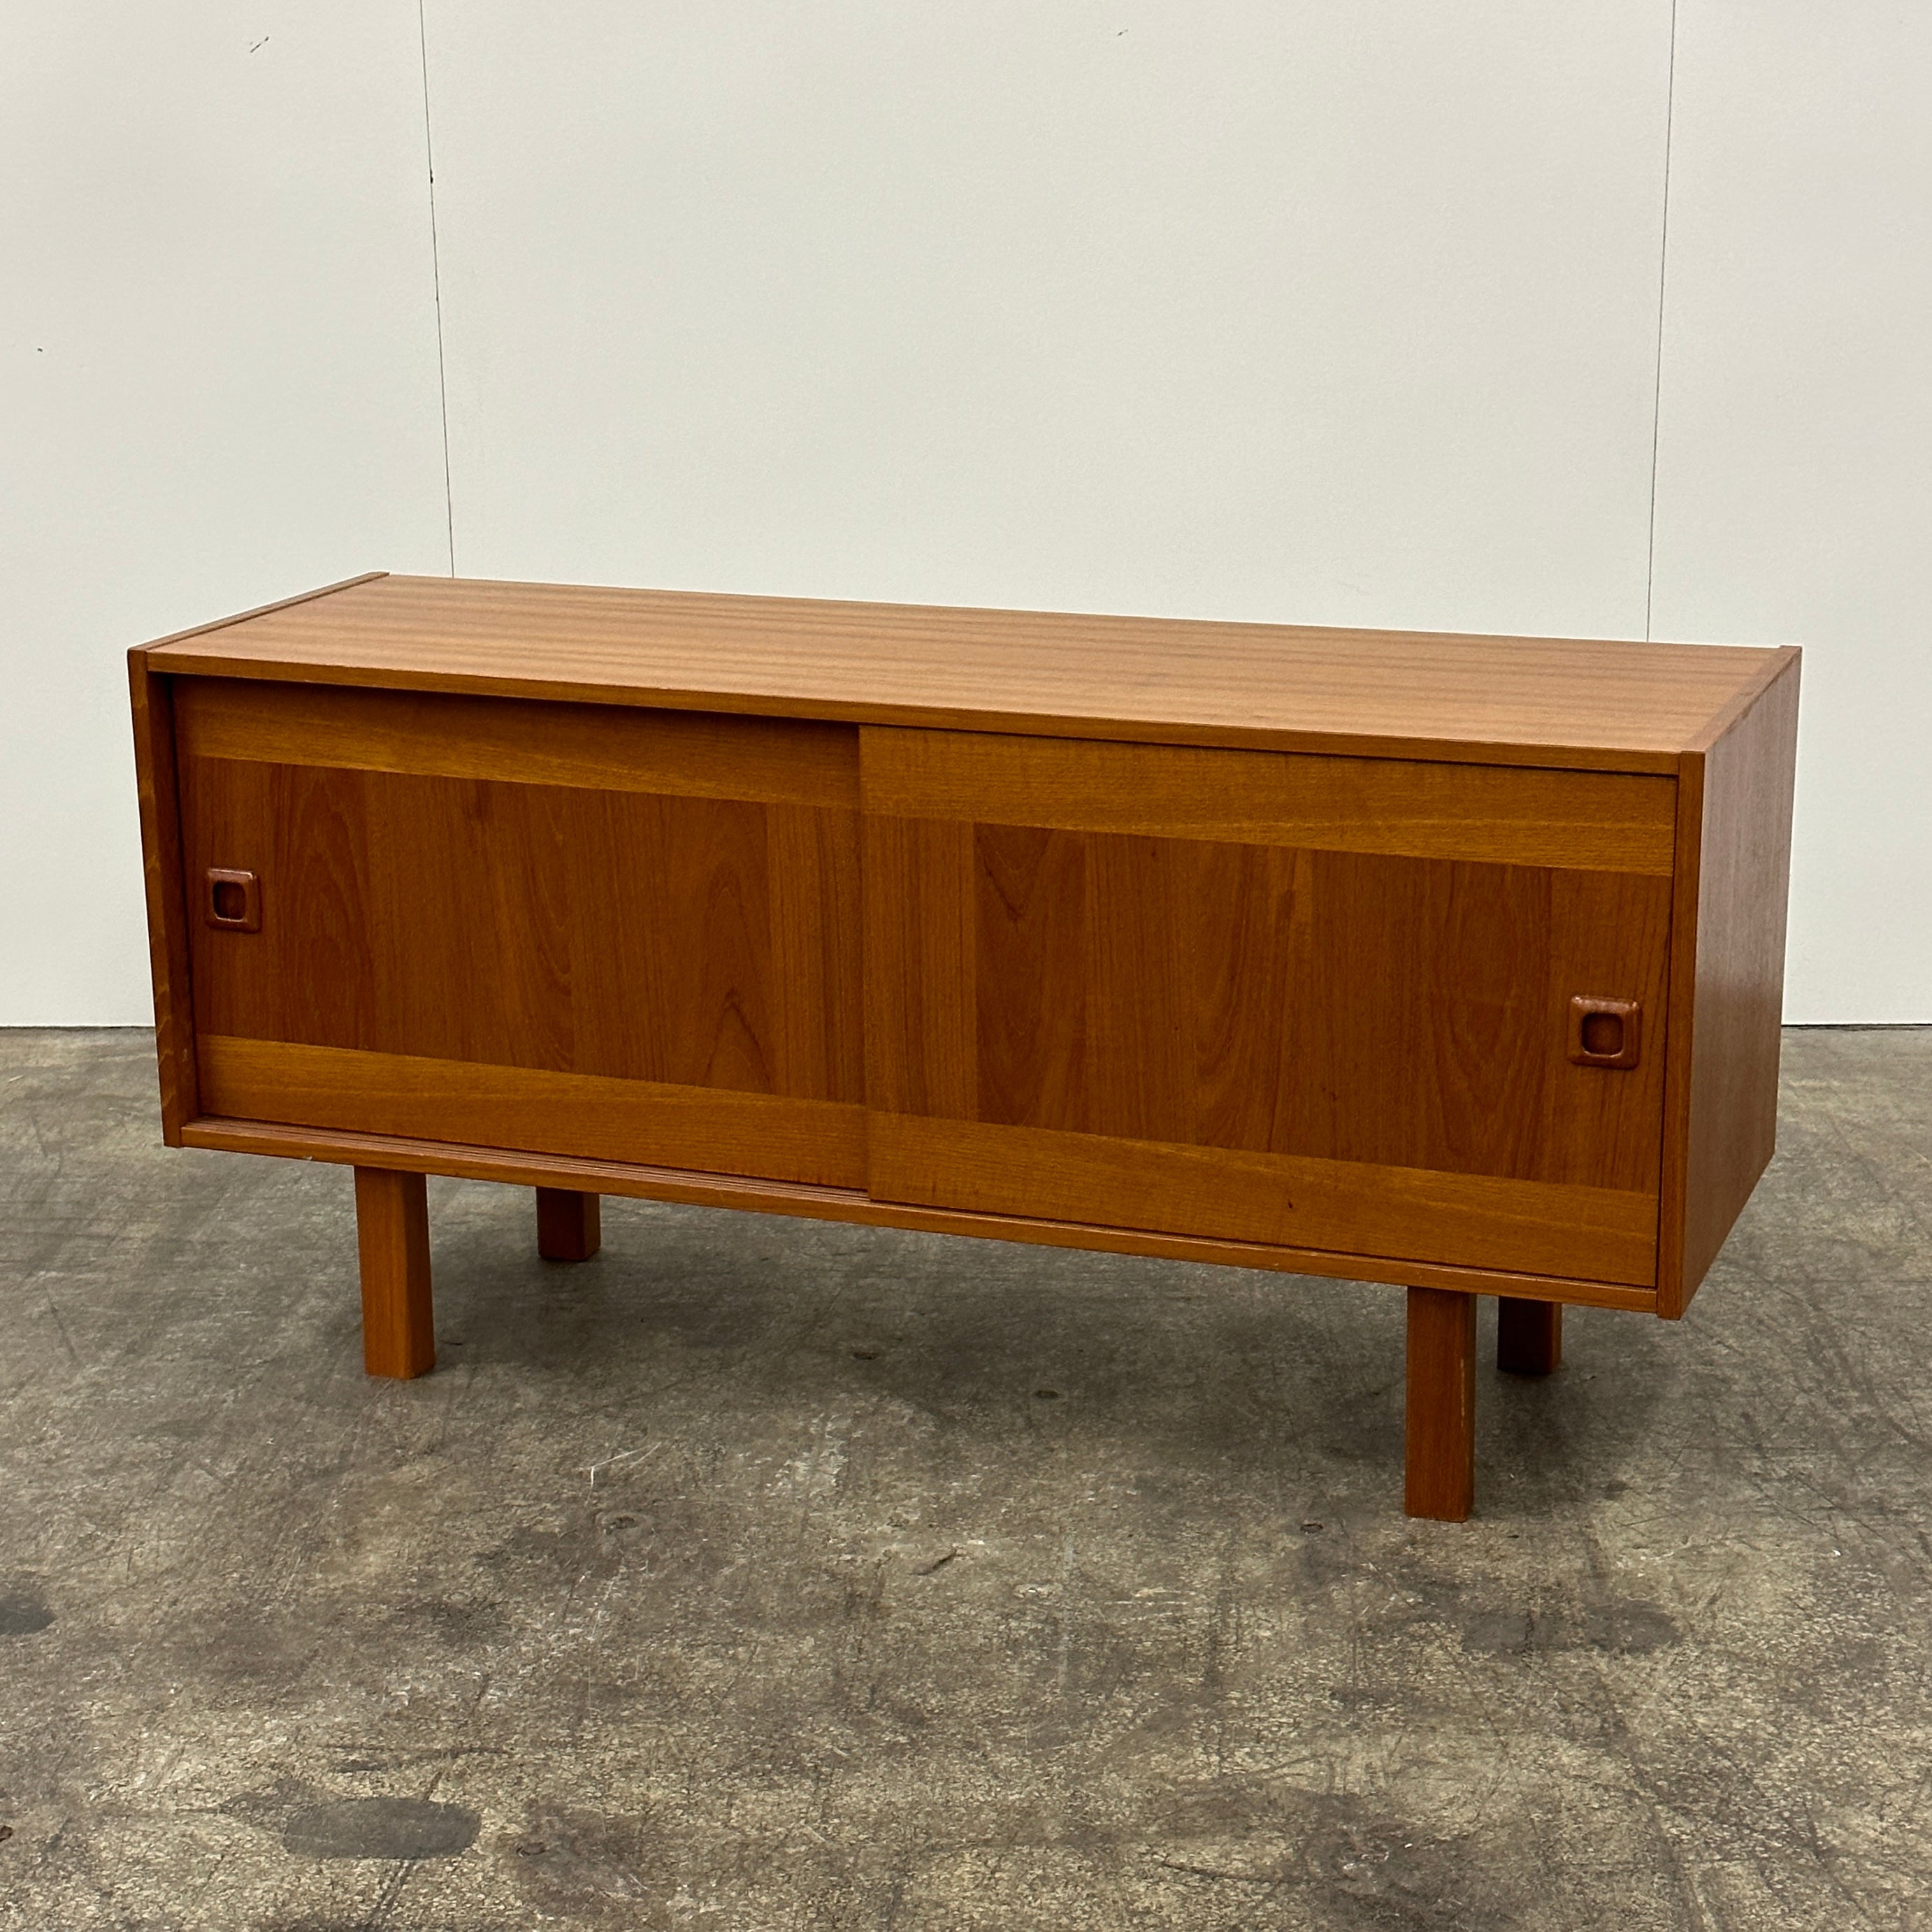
(624, 933)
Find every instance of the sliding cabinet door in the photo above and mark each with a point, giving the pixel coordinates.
(622, 934)
(1326, 1004)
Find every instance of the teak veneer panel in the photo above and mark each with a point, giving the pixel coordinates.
(685, 754)
(1487, 699)
(1282, 1200)
(689, 939)
(821, 1142)
(1347, 1006)
(1589, 821)
(1727, 978)
(157, 790)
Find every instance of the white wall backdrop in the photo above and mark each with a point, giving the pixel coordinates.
(217, 385)
(1341, 311)
(1794, 489)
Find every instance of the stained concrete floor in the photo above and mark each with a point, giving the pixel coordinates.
(765, 1574)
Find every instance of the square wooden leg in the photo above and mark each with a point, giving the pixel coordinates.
(567, 1224)
(1529, 1336)
(1439, 1477)
(392, 1234)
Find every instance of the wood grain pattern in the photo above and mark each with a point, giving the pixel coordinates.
(1345, 1207)
(1439, 1434)
(712, 942)
(1593, 821)
(392, 1239)
(202, 630)
(689, 754)
(1345, 1006)
(163, 877)
(568, 1225)
(1529, 1336)
(1495, 700)
(852, 1204)
(1727, 979)
(821, 1141)
(921, 1052)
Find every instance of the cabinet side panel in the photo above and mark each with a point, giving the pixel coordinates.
(153, 707)
(1728, 983)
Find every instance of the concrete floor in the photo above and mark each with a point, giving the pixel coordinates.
(760, 1573)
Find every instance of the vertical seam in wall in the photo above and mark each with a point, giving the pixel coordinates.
(1663, 268)
(436, 284)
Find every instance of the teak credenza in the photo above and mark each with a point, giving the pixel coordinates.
(1453, 962)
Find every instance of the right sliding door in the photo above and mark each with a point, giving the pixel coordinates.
(1351, 1006)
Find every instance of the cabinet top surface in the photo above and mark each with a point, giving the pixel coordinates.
(1528, 700)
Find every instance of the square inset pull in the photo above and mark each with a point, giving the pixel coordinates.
(1604, 1033)
(234, 900)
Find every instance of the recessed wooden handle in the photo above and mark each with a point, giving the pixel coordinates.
(234, 900)
(1605, 1033)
